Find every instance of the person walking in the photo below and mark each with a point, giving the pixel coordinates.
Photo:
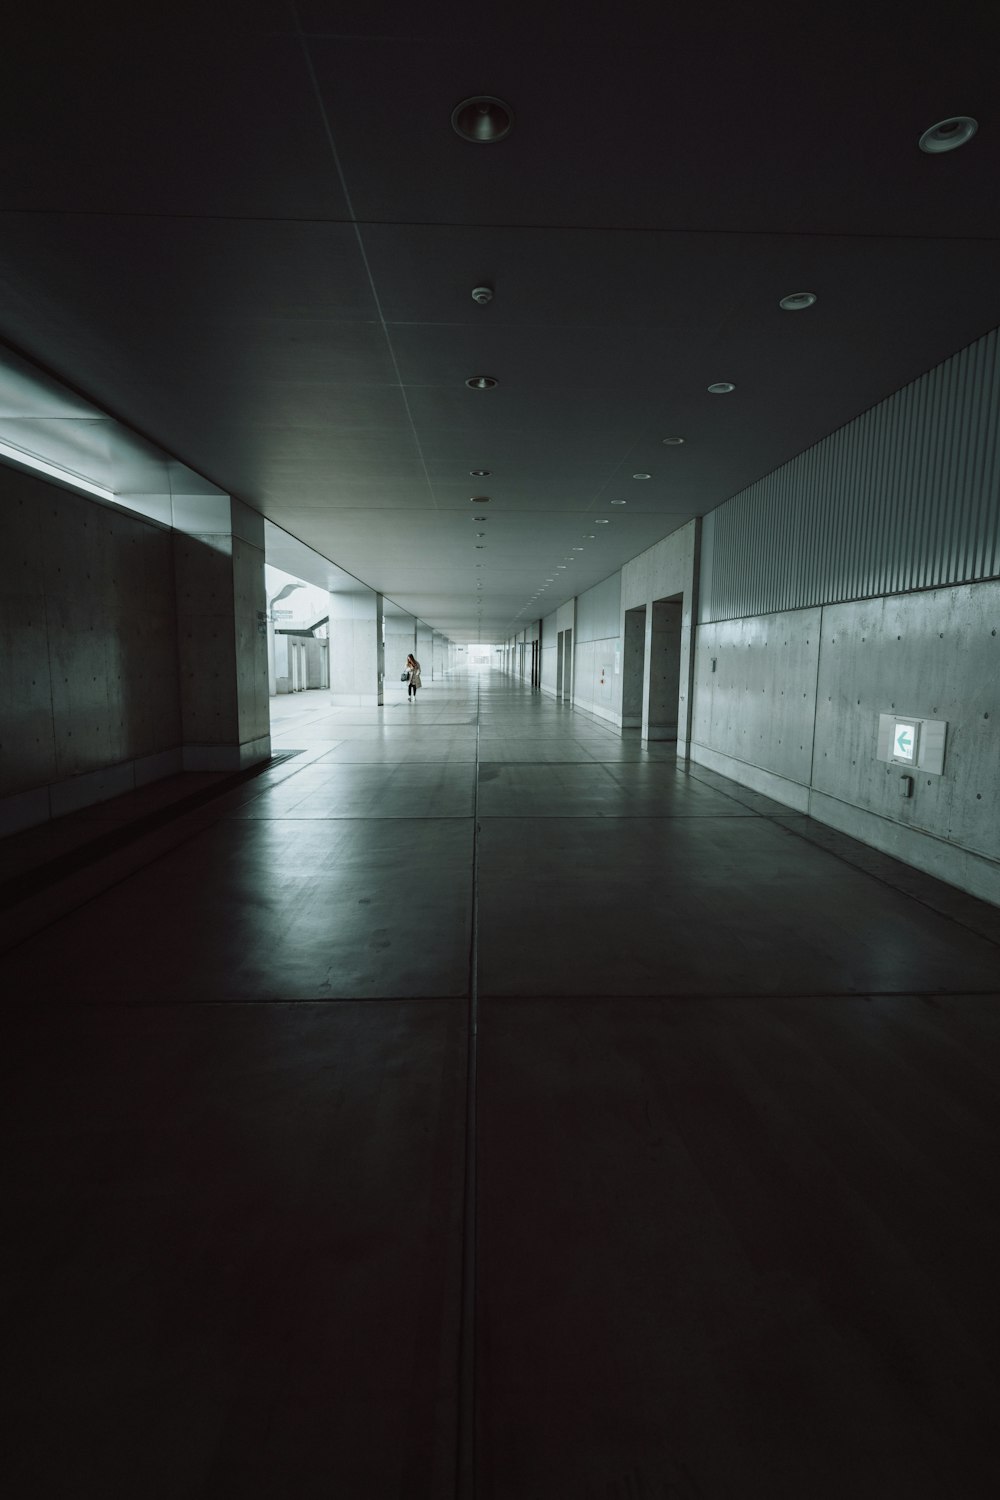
(413, 667)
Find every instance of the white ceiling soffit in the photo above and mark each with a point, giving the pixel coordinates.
(51, 430)
(292, 556)
(270, 271)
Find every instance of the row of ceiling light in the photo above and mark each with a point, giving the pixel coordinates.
(483, 295)
(485, 119)
(794, 302)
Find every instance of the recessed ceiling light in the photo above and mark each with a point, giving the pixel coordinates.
(948, 134)
(619, 502)
(642, 476)
(561, 567)
(577, 549)
(480, 533)
(602, 521)
(480, 473)
(796, 301)
(722, 388)
(591, 536)
(481, 382)
(483, 119)
(672, 442)
(479, 500)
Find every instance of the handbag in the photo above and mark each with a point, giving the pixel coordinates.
(405, 677)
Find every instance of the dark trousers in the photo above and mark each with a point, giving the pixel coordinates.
(411, 691)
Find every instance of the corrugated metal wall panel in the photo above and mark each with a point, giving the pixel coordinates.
(905, 497)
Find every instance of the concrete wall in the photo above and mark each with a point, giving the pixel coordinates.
(89, 683)
(792, 709)
(755, 699)
(897, 611)
(550, 654)
(597, 674)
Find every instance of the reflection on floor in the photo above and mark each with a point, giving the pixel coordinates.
(734, 1117)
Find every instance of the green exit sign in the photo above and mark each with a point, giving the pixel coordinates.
(905, 738)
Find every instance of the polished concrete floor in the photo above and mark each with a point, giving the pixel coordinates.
(477, 1103)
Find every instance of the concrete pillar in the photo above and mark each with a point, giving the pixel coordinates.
(380, 647)
(222, 636)
(425, 647)
(400, 640)
(355, 649)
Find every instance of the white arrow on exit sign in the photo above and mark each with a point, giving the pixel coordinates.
(905, 741)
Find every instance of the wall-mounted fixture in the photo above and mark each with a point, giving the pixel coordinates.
(483, 119)
(907, 740)
(948, 135)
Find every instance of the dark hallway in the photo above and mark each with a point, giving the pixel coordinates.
(730, 1225)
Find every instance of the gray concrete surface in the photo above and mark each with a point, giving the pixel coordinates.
(730, 1224)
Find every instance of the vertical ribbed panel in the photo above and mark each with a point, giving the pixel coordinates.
(905, 497)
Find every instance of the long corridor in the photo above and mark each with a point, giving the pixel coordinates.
(480, 1103)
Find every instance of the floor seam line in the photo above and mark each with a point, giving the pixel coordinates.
(465, 1486)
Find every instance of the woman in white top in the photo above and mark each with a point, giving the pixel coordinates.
(413, 667)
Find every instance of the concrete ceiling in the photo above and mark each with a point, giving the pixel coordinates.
(251, 233)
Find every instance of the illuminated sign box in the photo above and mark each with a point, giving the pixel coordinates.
(906, 740)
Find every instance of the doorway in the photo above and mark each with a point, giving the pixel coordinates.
(665, 668)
